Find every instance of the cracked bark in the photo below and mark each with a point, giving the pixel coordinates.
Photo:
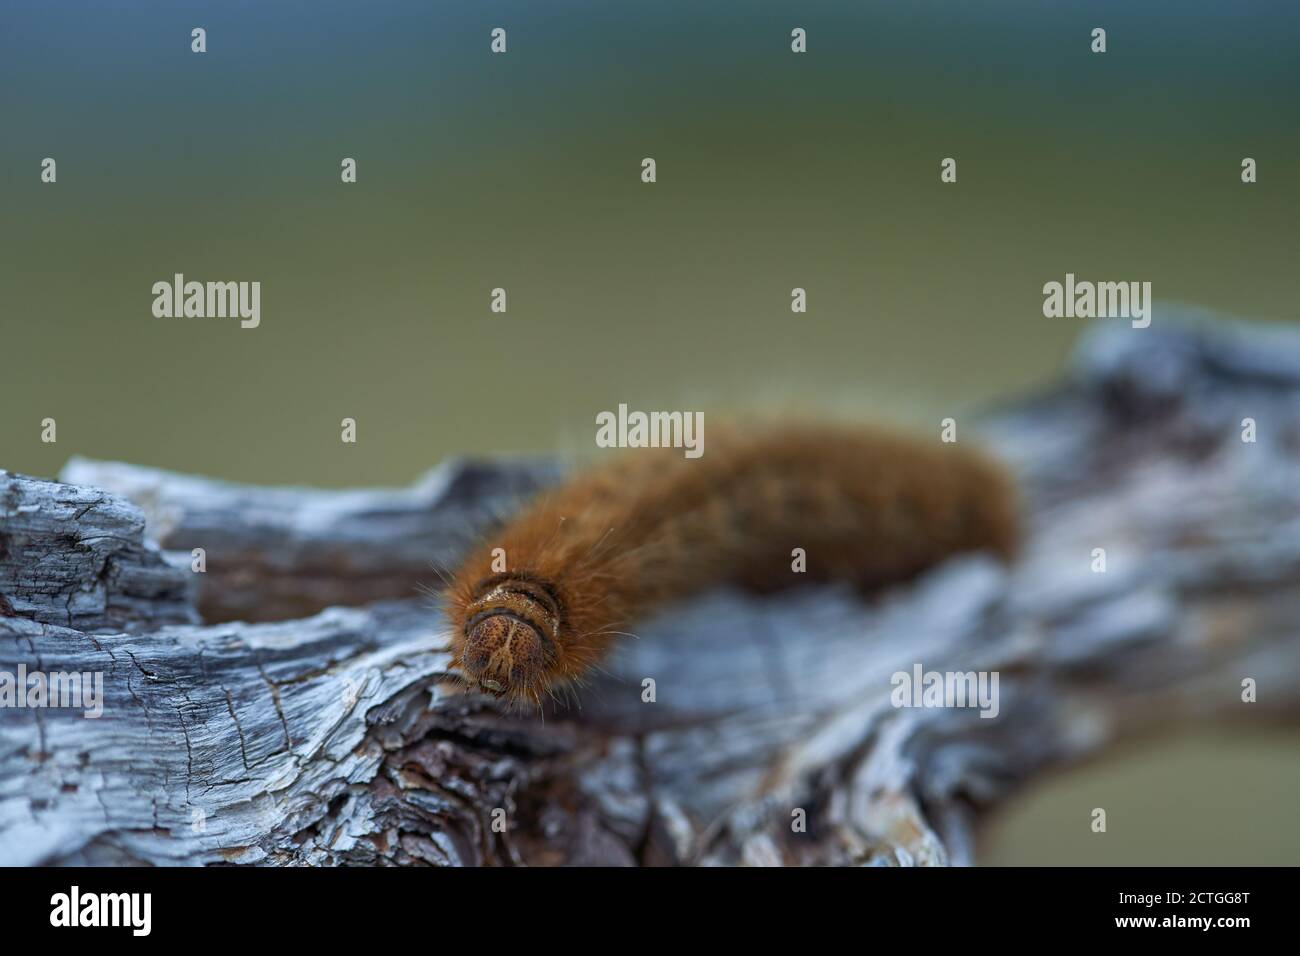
(263, 736)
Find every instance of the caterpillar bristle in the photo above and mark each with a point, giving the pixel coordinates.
(536, 607)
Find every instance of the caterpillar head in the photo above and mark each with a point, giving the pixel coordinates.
(508, 638)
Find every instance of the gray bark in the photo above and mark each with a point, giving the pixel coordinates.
(75, 556)
(278, 553)
(338, 739)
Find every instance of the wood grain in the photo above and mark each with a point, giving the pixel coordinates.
(332, 739)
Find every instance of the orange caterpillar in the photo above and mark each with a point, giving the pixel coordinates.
(588, 558)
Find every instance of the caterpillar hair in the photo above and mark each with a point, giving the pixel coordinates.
(540, 602)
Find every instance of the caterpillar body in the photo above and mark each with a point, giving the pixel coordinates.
(589, 557)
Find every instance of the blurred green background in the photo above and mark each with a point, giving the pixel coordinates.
(522, 171)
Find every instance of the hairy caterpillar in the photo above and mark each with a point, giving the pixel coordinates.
(589, 557)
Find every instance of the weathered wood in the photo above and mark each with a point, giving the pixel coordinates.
(336, 739)
(77, 557)
(278, 553)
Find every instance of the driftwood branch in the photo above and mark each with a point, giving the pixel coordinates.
(332, 739)
(278, 553)
(75, 556)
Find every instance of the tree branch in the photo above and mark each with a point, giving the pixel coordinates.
(337, 738)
